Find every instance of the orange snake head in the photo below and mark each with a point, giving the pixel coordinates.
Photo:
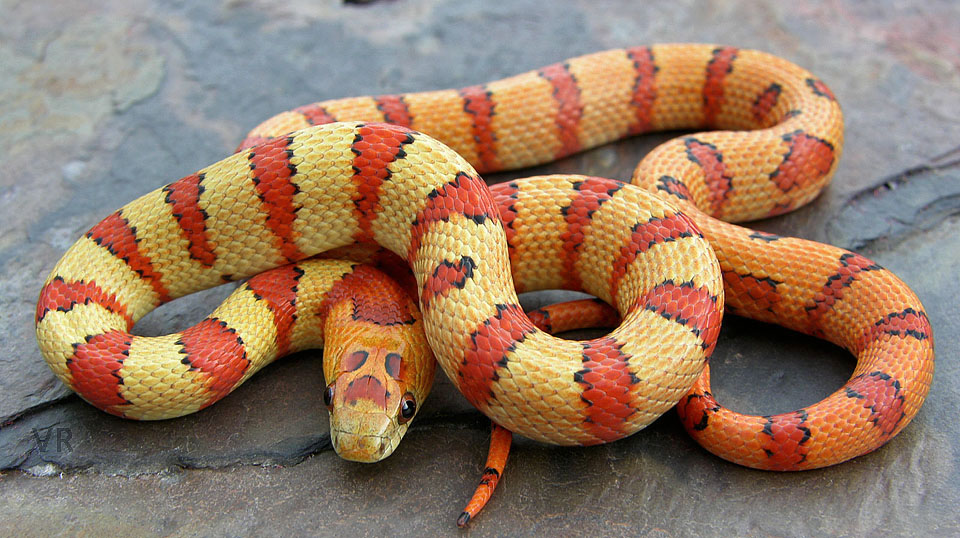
(378, 376)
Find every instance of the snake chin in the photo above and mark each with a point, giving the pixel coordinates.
(364, 436)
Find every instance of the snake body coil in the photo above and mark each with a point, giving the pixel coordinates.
(284, 197)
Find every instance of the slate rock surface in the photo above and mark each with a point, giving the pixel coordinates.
(103, 101)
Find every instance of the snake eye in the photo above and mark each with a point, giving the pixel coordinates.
(328, 397)
(408, 408)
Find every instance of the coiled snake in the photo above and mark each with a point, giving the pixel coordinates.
(647, 250)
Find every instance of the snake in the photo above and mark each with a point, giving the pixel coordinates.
(401, 171)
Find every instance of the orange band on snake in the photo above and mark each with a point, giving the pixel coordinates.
(294, 195)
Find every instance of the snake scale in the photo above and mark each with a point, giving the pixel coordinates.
(656, 251)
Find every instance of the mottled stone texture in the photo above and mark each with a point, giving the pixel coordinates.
(103, 101)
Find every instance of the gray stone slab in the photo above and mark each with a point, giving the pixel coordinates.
(103, 101)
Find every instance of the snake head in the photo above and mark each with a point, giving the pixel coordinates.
(379, 382)
(378, 365)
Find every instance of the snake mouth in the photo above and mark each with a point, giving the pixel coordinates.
(364, 437)
(362, 448)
